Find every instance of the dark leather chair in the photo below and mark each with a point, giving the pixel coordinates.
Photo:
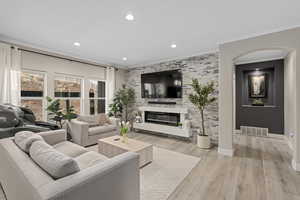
(14, 119)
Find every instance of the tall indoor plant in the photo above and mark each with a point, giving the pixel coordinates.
(201, 98)
(60, 116)
(54, 111)
(116, 107)
(127, 99)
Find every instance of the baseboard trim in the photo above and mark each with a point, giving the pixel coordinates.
(226, 152)
(289, 142)
(295, 165)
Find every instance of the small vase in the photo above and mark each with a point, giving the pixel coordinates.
(124, 138)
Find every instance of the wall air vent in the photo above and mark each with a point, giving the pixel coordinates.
(254, 131)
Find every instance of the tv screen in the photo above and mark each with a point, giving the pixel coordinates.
(165, 84)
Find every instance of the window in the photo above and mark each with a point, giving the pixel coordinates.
(96, 96)
(68, 90)
(32, 92)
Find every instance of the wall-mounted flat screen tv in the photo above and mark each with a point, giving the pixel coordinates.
(165, 84)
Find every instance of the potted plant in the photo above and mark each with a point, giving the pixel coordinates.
(59, 115)
(126, 97)
(257, 102)
(54, 111)
(179, 124)
(115, 108)
(201, 98)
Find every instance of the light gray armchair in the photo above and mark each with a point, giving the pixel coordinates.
(85, 130)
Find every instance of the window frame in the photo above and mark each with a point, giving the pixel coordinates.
(43, 98)
(70, 98)
(96, 98)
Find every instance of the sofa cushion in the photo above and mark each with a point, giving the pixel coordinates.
(89, 159)
(70, 149)
(52, 161)
(24, 139)
(101, 129)
(103, 119)
(91, 125)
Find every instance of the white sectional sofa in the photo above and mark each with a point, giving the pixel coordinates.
(99, 177)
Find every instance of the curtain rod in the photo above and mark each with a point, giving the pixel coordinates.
(60, 57)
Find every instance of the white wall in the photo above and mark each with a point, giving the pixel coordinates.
(51, 66)
(289, 96)
(121, 78)
(56, 65)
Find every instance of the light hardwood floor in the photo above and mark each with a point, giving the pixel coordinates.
(260, 170)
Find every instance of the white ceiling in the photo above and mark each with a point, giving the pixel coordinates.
(196, 26)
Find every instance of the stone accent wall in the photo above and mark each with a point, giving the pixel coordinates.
(204, 67)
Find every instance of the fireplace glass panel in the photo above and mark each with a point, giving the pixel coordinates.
(171, 119)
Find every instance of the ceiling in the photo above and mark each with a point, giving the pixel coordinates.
(195, 26)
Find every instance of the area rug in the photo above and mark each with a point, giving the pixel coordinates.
(161, 177)
(2, 196)
(168, 169)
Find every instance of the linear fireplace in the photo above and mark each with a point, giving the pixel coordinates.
(171, 119)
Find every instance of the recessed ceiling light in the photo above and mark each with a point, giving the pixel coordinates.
(124, 58)
(173, 46)
(129, 16)
(77, 44)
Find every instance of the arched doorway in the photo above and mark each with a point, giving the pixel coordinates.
(261, 87)
(229, 53)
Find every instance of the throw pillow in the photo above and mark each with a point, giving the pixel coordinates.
(56, 164)
(103, 119)
(24, 139)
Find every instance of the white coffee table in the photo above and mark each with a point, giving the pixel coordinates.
(113, 146)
